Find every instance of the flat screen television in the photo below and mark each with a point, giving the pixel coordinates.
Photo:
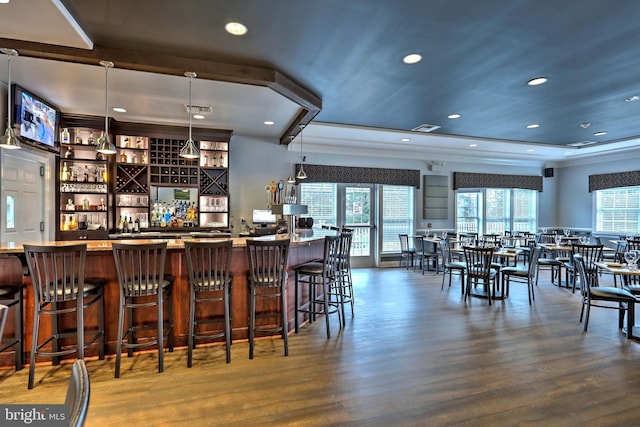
(263, 217)
(36, 118)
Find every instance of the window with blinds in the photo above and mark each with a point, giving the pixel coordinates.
(321, 200)
(617, 210)
(496, 210)
(397, 215)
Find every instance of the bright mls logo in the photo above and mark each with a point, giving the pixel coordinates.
(34, 415)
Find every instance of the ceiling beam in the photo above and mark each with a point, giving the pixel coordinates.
(151, 62)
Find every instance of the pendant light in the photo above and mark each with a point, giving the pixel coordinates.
(301, 173)
(291, 179)
(9, 139)
(105, 146)
(190, 151)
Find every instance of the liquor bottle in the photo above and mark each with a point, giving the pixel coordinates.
(65, 225)
(120, 224)
(102, 206)
(85, 204)
(206, 161)
(123, 157)
(100, 156)
(104, 174)
(72, 223)
(125, 225)
(135, 158)
(127, 142)
(215, 160)
(64, 176)
(97, 174)
(65, 136)
(85, 174)
(136, 226)
(139, 142)
(69, 153)
(144, 158)
(91, 140)
(130, 225)
(221, 161)
(79, 140)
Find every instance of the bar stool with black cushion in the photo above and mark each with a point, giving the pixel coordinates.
(344, 277)
(600, 296)
(267, 277)
(524, 274)
(143, 284)
(450, 266)
(318, 278)
(12, 295)
(209, 265)
(406, 252)
(59, 287)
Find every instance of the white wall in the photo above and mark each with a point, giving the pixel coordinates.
(255, 162)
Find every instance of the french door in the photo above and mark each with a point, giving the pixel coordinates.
(357, 205)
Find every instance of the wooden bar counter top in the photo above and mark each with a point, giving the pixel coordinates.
(100, 263)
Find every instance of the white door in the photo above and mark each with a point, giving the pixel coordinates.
(22, 199)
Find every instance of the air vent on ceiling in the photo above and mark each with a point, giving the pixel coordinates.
(581, 143)
(426, 128)
(198, 109)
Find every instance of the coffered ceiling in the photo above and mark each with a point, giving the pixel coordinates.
(340, 65)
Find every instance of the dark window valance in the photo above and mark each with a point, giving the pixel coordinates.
(489, 180)
(614, 180)
(361, 175)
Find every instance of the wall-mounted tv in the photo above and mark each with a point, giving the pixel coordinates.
(36, 119)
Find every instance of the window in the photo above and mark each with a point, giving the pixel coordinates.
(321, 201)
(617, 210)
(496, 210)
(11, 213)
(397, 215)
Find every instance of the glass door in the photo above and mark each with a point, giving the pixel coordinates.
(358, 212)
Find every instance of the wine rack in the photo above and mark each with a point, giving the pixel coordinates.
(214, 181)
(132, 179)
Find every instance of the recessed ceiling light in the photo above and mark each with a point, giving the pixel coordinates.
(268, 122)
(533, 126)
(118, 109)
(4, 1)
(453, 116)
(198, 116)
(412, 58)
(567, 153)
(235, 28)
(405, 139)
(473, 145)
(530, 150)
(537, 81)
(599, 133)
(632, 98)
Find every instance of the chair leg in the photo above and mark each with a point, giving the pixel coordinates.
(252, 318)
(631, 316)
(160, 332)
(120, 335)
(285, 326)
(227, 323)
(325, 302)
(171, 338)
(192, 320)
(34, 347)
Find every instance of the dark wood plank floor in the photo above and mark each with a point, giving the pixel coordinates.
(413, 355)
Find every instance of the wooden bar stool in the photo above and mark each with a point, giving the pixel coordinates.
(59, 287)
(267, 279)
(208, 264)
(143, 284)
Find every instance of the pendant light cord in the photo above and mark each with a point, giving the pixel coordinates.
(9, 106)
(190, 84)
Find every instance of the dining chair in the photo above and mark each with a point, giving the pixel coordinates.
(12, 296)
(406, 253)
(210, 282)
(480, 272)
(344, 278)
(601, 296)
(423, 255)
(450, 266)
(143, 284)
(523, 274)
(59, 287)
(267, 277)
(590, 255)
(78, 394)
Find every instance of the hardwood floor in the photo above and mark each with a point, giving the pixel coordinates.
(412, 356)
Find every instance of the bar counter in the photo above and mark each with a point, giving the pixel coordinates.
(100, 263)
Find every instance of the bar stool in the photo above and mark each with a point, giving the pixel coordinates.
(209, 264)
(267, 277)
(143, 284)
(12, 295)
(319, 274)
(344, 280)
(59, 287)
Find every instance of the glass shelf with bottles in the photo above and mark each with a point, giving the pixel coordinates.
(83, 175)
(80, 137)
(214, 204)
(132, 149)
(131, 220)
(83, 221)
(214, 154)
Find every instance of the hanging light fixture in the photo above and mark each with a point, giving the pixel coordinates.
(301, 173)
(291, 179)
(105, 146)
(190, 151)
(9, 139)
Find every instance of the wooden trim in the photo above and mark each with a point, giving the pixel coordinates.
(154, 62)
